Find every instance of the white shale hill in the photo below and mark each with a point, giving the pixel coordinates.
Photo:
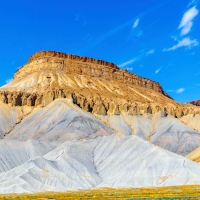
(60, 147)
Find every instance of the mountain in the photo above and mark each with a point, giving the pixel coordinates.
(70, 122)
(122, 100)
(96, 86)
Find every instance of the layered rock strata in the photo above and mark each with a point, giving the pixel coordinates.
(81, 65)
(94, 85)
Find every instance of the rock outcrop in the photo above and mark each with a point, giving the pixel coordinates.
(94, 85)
(196, 103)
(67, 63)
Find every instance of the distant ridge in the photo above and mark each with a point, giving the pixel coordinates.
(196, 103)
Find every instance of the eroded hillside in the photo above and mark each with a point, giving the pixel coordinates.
(96, 86)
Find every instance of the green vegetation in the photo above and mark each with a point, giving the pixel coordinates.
(165, 193)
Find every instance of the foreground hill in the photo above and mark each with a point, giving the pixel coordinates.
(87, 156)
(70, 122)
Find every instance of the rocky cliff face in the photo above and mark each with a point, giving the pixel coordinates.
(94, 85)
(79, 65)
(196, 103)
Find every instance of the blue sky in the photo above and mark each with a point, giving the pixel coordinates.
(155, 39)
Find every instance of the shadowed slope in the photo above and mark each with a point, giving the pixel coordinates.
(164, 131)
(14, 153)
(60, 120)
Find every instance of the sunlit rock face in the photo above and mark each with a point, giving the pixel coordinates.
(70, 122)
(194, 155)
(96, 86)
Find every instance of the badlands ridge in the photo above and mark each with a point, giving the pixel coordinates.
(70, 122)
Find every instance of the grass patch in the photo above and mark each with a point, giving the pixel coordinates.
(189, 192)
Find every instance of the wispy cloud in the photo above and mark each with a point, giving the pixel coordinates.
(108, 34)
(136, 23)
(180, 90)
(135, 31)
(124, 25)
(185, 42)
(141, 55)
(187, 20)
(193, 2)
(9, 80)
(150, 52)
(122, 65)
(185, 26)
(158, 70)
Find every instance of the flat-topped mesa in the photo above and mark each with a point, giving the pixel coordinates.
(81, 65)
(96, 86)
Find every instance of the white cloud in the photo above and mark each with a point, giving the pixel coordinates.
(185, 26)
(185, 42)
(136, 23)
(186, 29)
(158, 70)
(127, 62)
(9, 80)
(141, 55)
(186, 22)
(150, 52)
(180, 90)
